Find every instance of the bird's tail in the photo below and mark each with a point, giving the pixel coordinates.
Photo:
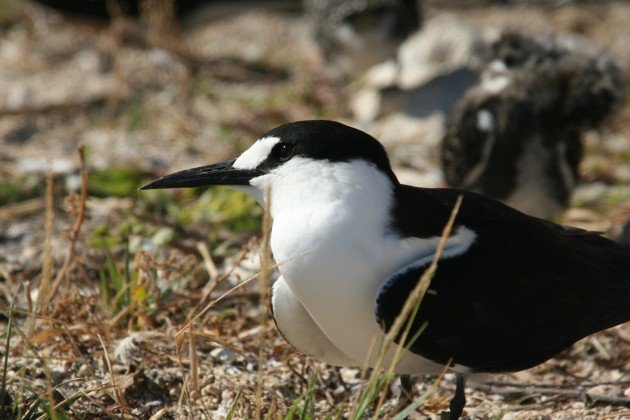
(615, 308)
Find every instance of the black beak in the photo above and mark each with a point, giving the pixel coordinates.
(218, 174)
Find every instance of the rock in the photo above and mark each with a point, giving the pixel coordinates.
(224, 355)
(59, 376)
(126, 351)
(21, 133)
(35, 165)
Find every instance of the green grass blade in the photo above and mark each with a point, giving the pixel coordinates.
(308, 398)
(113, 273)
(413, 406)
(234, 406)
(126, 275)
(374, 389)
(297, 408)
(104, 287)
(5, 367)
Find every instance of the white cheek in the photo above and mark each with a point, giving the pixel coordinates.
(253, 156)
(257, 188)
(253, 190)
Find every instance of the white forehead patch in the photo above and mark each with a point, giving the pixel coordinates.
(253, 156)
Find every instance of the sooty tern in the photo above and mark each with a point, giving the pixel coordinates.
(510, 292)
(357, 34)
(517, 135)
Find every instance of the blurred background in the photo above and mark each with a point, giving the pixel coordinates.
(522, 100)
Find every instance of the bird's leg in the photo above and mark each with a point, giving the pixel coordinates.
(459, 399)
(406, 387)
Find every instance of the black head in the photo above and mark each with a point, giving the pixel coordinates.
(315, 139)
(328, 140)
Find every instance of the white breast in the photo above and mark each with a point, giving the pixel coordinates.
(299, 329)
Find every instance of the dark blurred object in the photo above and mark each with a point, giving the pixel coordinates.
(356, 34)
(439, 94)
(104, 9)
(353, 34)
(517, 134)
(624, 239)
(6, 404)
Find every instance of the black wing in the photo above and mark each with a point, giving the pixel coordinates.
(524, 291)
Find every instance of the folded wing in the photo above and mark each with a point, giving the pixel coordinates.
(494, 313)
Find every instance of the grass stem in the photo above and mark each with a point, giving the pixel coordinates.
(264, 287)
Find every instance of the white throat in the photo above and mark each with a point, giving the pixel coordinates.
(314, 202)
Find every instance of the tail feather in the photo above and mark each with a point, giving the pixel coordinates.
(615, 307)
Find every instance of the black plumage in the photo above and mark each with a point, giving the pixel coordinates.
(624, 238)
(525, 290)
(520, 128)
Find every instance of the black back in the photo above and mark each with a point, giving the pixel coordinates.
(525, 290)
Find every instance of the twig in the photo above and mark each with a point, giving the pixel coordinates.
(63, 108)
(184, 394)
(584, 384)
(27, 297)
(324, 389)
(186, 327)
(194, 365)
(44, 286)
(208, 336)
(560, 392)
(244, 282)
(600, 348)
(46, 368)
(235, 70)
(252, 295)
(7, 348)
(412, 407)
(211, 268)
(160, 413)
(264, 287)
(119, 395)
(76, 228)
(20, 209)
(296, 372)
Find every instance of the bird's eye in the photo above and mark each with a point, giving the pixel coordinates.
(283, 151)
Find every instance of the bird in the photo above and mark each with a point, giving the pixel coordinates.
(354, 35)
(517, 134)
(351, 242)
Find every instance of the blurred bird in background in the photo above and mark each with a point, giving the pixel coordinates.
(357, 34)
(517, 134)
(352, 34)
